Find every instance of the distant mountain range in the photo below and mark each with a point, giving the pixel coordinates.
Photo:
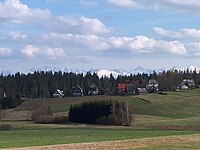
(104, 72)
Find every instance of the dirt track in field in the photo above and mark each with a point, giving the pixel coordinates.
(188, 140)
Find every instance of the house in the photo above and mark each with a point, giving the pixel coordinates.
(127, 89)
(131, 89)
(93, 90)
(187, 84)
(142, 90)
(58, 94)
(77, 91)
(23, 98)
(152, 86)
(121, 88)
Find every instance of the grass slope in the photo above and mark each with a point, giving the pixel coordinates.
(173, 109)
(175, 112)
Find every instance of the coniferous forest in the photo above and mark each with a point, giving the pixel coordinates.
(43, 84)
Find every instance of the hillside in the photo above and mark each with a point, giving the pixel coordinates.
(171, 119)
(174, 110)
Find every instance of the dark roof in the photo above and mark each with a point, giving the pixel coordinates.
(76, 87)
(93, 86)
(153, 81)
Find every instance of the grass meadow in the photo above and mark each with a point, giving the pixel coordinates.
(155, 115)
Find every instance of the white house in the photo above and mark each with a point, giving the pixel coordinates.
(187, 84)
(58, 93)
(93, 90)
(152, 85)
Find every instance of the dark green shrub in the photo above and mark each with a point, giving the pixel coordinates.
(101, 112)
(5, 127)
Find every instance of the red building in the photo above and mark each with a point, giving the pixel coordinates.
(122, 88)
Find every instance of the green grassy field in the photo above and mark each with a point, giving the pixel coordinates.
(24, 138)
(176, 113)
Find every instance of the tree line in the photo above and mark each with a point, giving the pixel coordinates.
(43, 84)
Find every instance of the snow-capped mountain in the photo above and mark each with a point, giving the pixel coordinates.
(107, 73)
(189, 68)
(104, 72)
(5, 72)
(121, 71)
(194, 68)
(140, 70)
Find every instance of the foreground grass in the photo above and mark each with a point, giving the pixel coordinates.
(40, 137)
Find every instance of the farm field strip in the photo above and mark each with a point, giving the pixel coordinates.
(169, 142)
(41, 137)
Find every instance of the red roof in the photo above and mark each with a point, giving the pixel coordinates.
(122, 86)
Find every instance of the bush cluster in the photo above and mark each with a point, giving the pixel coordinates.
(45, 115)
(106, 112)
(41, 111)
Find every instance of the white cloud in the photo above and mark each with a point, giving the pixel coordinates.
(172, 47)
(185, 4)
(125, 3)
(142, 43)
(53, 53)
(5, 51)
(15, 11)
(118, 42)
(181, 34)
(191, 33)
(81, 25)
(168, 34)
(195, 48)
(30, 51)
(90, 41)
(45, 52)
(180, 5)
(137, 44)
(93, 25)
(17, 35)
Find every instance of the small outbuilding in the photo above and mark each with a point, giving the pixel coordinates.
(77, 91)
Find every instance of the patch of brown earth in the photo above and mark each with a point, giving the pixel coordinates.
(11, 114)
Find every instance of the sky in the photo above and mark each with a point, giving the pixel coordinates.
(99, 34)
